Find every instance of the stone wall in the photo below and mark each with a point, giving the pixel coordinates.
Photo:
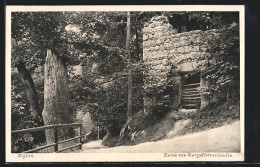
(157, 48)
(165, 50)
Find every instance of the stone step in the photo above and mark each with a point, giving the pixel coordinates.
(190, 105)
(191, 98)
(188, 85)
(193, 101)
(190, 89)
(185, 92)
(191, 95)
(187, 110)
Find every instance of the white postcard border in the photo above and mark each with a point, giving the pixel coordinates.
(120, 157)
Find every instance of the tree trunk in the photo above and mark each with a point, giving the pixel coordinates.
(29, 87)
(137, 43)
(56, 96)
(130, 79)
(140, 56)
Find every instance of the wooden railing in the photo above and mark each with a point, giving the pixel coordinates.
(56, 142)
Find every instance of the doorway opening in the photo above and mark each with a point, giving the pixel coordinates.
(191, 98)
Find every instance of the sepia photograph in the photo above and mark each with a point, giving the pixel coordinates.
(124, 83)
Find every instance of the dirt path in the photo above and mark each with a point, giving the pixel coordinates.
(222, 139)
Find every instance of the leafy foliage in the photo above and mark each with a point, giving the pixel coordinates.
(225, 71)
(188, 21)
(20, 113)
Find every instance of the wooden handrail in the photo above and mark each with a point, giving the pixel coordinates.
(45, 127)
(64, 141)
(40, 148)
(55, 144)
(64, 149)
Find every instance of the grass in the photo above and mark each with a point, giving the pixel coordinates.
(214, 115)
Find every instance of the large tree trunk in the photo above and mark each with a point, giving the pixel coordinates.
(56, 96)
(29, 87)
(130, 79)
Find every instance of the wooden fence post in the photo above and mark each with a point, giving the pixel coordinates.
(98, 132)
(56, 139)
(80, 134)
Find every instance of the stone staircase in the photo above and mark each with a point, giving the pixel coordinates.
(190, 96)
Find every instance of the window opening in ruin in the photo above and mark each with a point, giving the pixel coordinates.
(190, 93)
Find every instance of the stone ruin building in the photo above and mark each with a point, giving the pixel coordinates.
(164, 48)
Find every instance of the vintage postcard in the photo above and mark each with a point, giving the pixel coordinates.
(125, 83)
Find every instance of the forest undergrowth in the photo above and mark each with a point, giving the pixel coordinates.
(214, 115)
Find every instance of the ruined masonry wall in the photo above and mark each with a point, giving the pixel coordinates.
(164, 47)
